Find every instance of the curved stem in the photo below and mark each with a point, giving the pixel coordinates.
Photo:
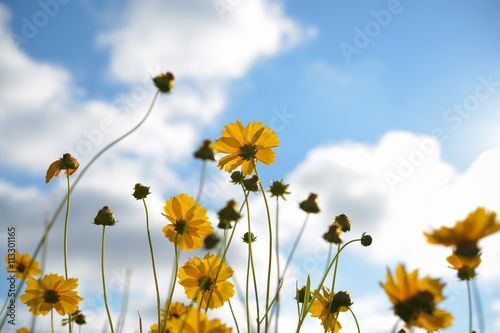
(153, 263)
(355, 319)
(53, 220)
(234, 317)
(104, 282)
(66, 241)
(270, 247)
(332, 291)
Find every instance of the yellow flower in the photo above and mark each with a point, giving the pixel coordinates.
(415, 300)
(464, 265)
(18, 264)
(197, 322)
(197, 277)
(189, 222)
(51, 292)
(176, 310)
(319, 309)
(245, 145)
(465, 235)
(23, 330)
(67, 163)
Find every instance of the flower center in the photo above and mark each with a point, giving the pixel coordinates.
(21, 268)
(181, 227)
(421, 302)
(467, 249)
(247, 152)
(205, 283)
(51, 296)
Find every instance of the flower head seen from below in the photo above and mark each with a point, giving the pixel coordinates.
(245, 146)
(188, 222)
(105, 217)
(465, 266)
(141, 191)
(51, 292)
(164, 82)
(466, 234)
(278, 189)
(196, 321)
(205, 151)
(18, 264)
(77, 318)
(67, 163)
(198, 276)
(320, 307)
(310, 205)
(415, 300)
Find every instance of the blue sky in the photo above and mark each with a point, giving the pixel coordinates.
(386, 109)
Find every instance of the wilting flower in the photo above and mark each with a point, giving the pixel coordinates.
(189, 222)
(246, 145)
(67, 163)
(18, 264)
(310, 205)
(466, 234)
(319, 309)
(415, 300)
(464, 265)
(51, 292)
(197, 322)
(197, 277)
(205, 151)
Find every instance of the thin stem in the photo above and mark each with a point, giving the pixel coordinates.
(277, 262)
(355, 319)
(104, 282)
(332, 292)
(477, 298)
(470, 305)
(270, 247)
(169, 300)
(153, 263)
(66, 241)
(52, 319)
(202, 181)
(234, 317)
(53, 220)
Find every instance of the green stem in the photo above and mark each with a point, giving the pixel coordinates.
(477, 298)
(301, 321)
(53, 220)
(234, 317)
(470, 305)
(270, 247)
(66, 241)
(153, 263)
(104, 282)
(202, 181)
(355, 319)
(52, 319)
(169, 301)
(332, 292)
(277, 263)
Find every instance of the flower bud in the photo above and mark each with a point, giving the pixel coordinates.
(249, 238)
(105, 217)
(251, 184)
(343, 221)
(141, 191)
(309, 205)
(333, 234)
(206, 151)
(366, 240)
(237, 177)
(164, 82)
(211, 241)
(278, 189)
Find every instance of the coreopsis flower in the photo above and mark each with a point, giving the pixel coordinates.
(66, 163)
(333, 234)
(19, 263)
(466, 234)
(176, 311)
(188, 222)
(310, 205)
(319, 309)
(105, 217)
(77, 318)
(198, 278)
(164, 82)
(196, 321)
(343, 222)
(415, 300)
(245, 146)
(251, 184)
(249, 238)
(23, 330)
(141, 191)
(205, 151)
(278, 189)
(211, 241)
(227, 215)
(51, 292)
(465, 266)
